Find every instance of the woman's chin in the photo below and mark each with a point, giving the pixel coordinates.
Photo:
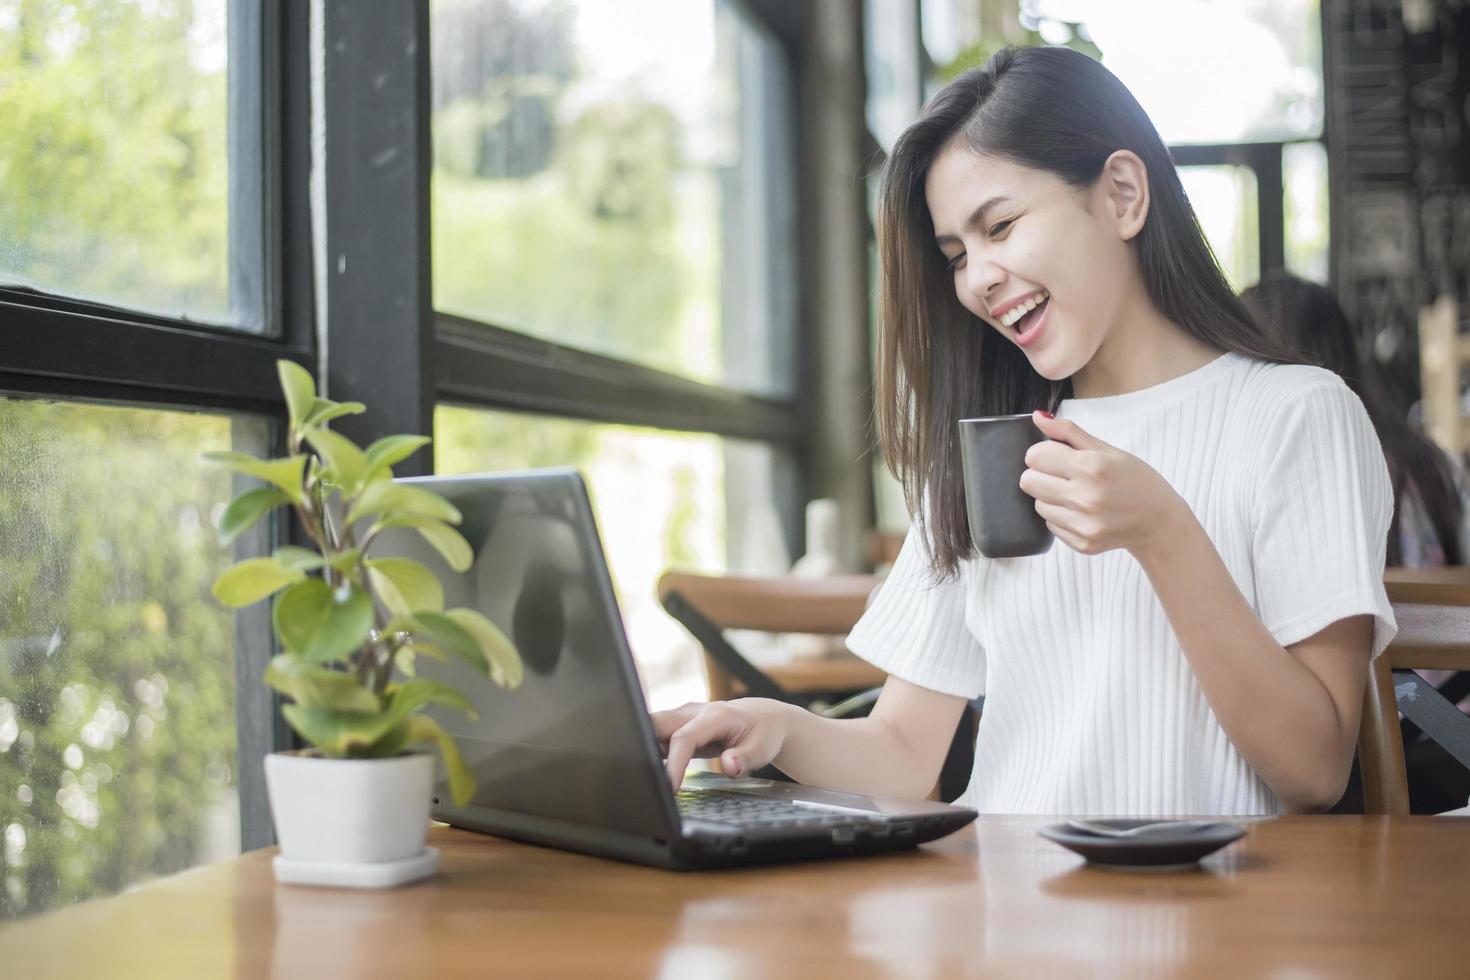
(1047, 367)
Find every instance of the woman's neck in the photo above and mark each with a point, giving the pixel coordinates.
(1143, 349)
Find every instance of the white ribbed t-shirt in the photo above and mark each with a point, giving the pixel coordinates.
(1090, 704)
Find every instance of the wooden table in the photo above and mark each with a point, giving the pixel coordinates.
(1299, 896)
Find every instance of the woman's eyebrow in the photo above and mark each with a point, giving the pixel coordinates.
(976, 217)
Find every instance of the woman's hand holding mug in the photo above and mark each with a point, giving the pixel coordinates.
(1095, 497)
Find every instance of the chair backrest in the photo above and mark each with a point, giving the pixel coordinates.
(1432, 607)
(708, 605)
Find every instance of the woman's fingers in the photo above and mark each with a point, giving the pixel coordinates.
(704, 735)
(1057, 459)
(1066, 431)
(666, 723)
(1044, 486)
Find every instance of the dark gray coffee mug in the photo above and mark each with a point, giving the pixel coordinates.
(1003, 518)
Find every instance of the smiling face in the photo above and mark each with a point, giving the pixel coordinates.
(1044, 263)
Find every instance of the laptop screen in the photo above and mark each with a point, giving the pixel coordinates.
(573, 742)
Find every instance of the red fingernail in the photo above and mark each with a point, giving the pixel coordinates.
(736, 766)
(1046, 414)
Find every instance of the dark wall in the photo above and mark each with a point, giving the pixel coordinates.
(1398, 116)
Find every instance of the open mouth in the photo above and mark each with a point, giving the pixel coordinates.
(1017, 316)
(1030, 318)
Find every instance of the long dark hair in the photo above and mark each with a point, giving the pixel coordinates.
(1309, 318)
(1049, 109)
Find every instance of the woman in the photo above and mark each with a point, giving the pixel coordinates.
(1197, 642)
(1428, 490)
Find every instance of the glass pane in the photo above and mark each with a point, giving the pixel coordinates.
(949, 27)
(115, 161)
(1304, 176)
(895, 88)
(117, 669)
(661, 499)
(1209, 71)
(1224, 198)
(618, 177)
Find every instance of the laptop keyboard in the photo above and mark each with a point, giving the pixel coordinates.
(745, 810)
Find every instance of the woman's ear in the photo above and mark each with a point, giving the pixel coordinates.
(1124, 188)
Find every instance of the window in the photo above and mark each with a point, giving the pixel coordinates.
(142, 322)
(1224, 199)
(1304, 172)
(614, 280)
(617, 178)
(661, 499)
(117, 667)
(1206, 71)
(121, 187)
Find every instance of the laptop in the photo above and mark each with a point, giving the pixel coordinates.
(569, 759)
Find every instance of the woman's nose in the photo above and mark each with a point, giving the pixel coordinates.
(982, 281)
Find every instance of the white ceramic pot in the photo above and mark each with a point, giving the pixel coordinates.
(350, 811)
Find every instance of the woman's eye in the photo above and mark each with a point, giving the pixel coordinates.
(954, 263)
(1000, 228)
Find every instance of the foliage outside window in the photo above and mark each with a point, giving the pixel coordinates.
(609, 176)
(115, 156)
(117, 669)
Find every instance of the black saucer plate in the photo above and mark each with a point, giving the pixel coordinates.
(1163, 851)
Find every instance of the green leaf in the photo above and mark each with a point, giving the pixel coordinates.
(428, 650)
(444, 539)
(505, 661)
(318, 687)
(388, 451)
(403, 659)
(346, 561)
(299, 388)
(246, 509)
(346, 464)
(409, 695)
(393, 499)
(390, 744)
(446, 634)
(300, 559)
(311, 621)
(284, 473)
(324, 410)
(405, 656)
(422, 728)
(405, 586)
(251, 581)
(339, 734)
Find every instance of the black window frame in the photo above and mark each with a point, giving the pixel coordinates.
(54, 346)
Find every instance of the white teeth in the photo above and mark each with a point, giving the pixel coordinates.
(1016, 312)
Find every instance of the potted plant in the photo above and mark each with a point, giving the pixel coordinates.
(354, 808)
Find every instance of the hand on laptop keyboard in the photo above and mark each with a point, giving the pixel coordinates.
(746, 734)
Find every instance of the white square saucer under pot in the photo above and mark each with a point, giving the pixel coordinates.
(357, 874)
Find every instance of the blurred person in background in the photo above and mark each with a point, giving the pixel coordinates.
(1429, 488)
(1430, 491)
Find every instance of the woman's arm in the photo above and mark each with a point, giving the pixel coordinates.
(1292, 713)
(897, 750)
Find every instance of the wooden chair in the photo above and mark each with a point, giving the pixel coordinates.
(1433, 610)
(707, 605)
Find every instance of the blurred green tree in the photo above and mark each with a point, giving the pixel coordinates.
(115, 153)
(117, 709)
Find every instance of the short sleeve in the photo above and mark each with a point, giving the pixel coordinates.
(915, 627)
(1323, 506)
